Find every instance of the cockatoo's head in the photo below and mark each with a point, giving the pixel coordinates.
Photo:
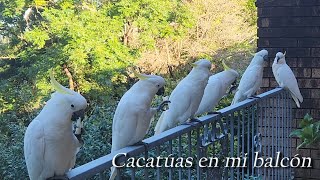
(280, 58)
(234, 73)
(260, 57)
(154, 83)
(70, 101)
(202, 64)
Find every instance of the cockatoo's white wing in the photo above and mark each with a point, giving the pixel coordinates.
(212, 94)
(287, 80)
(34, 148)
(179, 110)
(123, 131)
(249, 83)
(252, 80)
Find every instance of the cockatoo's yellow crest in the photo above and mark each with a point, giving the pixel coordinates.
(225, 67)
(140, 76)
(194, 65)
(285, 52)
(58, 87)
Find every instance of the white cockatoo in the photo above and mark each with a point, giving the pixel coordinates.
(252, 78)
(133, 115)
(216, 88)
(285, 77)
(186, 97)
(50, 147)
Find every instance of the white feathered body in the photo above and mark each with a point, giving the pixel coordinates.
(50, 146)
(185, 100)
(286, 79)
(132, 117)
(251, 79)
(215, 89)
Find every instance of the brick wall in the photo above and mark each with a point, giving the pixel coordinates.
(294, 26)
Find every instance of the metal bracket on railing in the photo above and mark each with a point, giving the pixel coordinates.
(206, 138)
(257, 142)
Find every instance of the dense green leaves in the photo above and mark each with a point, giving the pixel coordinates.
(96, 41)
(309, 131)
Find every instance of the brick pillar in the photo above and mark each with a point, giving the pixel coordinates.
(294, 26)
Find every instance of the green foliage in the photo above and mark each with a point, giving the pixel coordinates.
(97, 41)
(309, 132)
(250, 12)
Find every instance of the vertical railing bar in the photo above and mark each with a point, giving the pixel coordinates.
(243, 143)
(101, 175)
(252, 138)
(146, 173)
(286, 132)
(158, 168)
(198, 153)
(189, 153)
(248, 138)
(170, 151)
(291, 119)
(272, 137)
(238, 142)
(259, 130)
(265, 123)
(133, 172)
(118, 177)
(277, 131)
(232, 143)
(180, 155)
(283, 133)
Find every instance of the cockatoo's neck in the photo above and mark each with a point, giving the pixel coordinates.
(257, 61)
(142, 93)
(198, 74)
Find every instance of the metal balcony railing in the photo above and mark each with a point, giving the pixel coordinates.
(255, 127)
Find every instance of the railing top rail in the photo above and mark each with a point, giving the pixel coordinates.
(91, 168)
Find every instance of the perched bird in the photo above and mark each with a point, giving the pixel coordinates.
(252, 78)
(285, 77)
(50, 147)
(133, 115)
(216, 88)
(186, 97)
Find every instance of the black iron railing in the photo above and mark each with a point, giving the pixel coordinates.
(224, 145)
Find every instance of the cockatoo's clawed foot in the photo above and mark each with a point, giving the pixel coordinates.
(189, 123)
(232, 89)
(215, 112)
(162, 106)
(58, 178)
(145, 145)
(254, 97)
(195, 120)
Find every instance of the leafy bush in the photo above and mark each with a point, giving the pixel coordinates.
(309, 132)
(96, 41)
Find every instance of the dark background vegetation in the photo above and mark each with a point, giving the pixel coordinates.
(98, 42)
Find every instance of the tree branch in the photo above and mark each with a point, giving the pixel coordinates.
(71, 83)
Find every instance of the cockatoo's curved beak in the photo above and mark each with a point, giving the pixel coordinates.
(160, 91)
(265, 57)
(78, 114)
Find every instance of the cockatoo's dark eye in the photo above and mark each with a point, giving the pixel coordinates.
(158, 85)
(72, 106)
